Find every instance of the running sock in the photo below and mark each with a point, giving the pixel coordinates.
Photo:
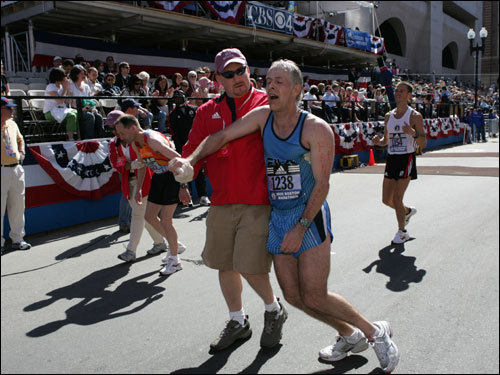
(175, 258)
(274, 306)
(239, 316)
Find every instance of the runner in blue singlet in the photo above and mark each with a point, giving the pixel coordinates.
(299, 153)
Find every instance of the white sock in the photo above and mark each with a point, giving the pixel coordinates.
(239, 316)
(175, 258)
(274, 306)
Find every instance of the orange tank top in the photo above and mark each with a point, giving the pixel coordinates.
(156, 161)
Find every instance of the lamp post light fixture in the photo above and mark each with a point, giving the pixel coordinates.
(471, 35)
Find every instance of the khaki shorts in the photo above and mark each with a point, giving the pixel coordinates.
(236, 238)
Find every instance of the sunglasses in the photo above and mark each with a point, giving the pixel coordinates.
(230, 73)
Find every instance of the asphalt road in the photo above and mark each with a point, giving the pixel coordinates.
(69, 305)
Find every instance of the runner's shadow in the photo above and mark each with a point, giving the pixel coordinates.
(347, 364)
(263, 356)
(99, 242)
(215, 363)
(98, 304)
(401, 269)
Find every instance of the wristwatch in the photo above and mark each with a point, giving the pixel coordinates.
(184, 186)
(305, 222)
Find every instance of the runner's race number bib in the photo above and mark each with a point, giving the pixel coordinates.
(283, 179)
(398, 143)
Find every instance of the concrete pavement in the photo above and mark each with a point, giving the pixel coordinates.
(70, 306)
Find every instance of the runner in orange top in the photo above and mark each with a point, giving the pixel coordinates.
(155, 149)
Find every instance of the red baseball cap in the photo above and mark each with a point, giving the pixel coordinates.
(228, 56)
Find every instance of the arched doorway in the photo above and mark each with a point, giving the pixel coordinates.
(394, 34)
(450, 56)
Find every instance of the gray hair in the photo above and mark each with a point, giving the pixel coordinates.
(293, 70)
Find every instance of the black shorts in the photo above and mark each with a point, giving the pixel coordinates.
(401, 166)
(164, 189)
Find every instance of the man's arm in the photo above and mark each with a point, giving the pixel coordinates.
(376, 139)
(161, 145)
(417, 124)
(318, 137)
(20, 145)
(141, 174)
(251, 122)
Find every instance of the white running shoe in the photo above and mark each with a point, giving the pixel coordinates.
(127, 256)
(401, 237)
(180, 249)
(171, 267)
(205, 201)
(158, 248)
(412, 212)
(342, 347)
(387, 352)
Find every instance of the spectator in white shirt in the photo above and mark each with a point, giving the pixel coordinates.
(92, 126)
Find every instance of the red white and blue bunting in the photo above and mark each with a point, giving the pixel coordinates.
(332, 33)
(357, 136)
(173, 6)
(378, 46)
(229, 11)
(82, 168)
(303, 26)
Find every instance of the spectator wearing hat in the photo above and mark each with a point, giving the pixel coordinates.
(236, 248)
(124, 209)
(132, 107)
(13, 184)
(57, 62)
(260, 84)
(124, 159)
(134, 89)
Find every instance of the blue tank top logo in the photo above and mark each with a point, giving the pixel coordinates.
(283, 179)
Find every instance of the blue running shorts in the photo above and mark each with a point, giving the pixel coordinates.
(283, 221)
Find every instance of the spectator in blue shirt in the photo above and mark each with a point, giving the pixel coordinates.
(477, 120)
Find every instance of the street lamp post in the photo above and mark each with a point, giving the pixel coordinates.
(471, 35)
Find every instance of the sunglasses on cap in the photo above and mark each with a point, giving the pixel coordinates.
(230, 73)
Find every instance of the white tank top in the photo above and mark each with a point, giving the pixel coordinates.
(399, 142)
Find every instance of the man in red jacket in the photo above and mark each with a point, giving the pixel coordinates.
(237, 223)
(124, 160)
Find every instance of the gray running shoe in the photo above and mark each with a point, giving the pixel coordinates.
(127, 256)
(412, 212)
(342, 347)
(234, 331)
(387, 352)
(158, 248)
(273, 327)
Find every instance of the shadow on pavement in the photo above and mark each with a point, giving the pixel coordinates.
(99, 242)
(341, 367)
(215, 363)
(401, 269)
(104, 303)
(263, 356)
